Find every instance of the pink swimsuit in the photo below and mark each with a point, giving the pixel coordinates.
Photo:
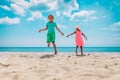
(78, 38)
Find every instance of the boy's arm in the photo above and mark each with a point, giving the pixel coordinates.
(70, 34)
(59, 30)
(43, 29)
(84, 36)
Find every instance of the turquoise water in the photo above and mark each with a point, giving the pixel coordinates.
(60, 49)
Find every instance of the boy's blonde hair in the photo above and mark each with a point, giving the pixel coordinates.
(50, 16)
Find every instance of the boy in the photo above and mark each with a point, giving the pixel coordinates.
(50, 26)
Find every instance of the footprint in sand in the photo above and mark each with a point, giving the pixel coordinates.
(45, 76)
(56, 79)
(65, 68)
(4, 65)
(15, 77)
(4, 74)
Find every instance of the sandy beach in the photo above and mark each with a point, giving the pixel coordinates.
(65, 66)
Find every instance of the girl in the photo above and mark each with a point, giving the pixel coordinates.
(78, 39)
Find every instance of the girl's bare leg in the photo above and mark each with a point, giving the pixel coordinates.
(81, 49)
(76, 50)
(55, 49)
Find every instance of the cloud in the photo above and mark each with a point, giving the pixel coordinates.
(40, 7)
(67, 13)
(18, 9)
(57, 13)
(52, 4)
(56, 4)
(5, 7)
(117, 24)
(62, 26)
(23, 3)
(69, 7)
(35, 15)
(9, 20)
(113, 27)
(48, 5)
(82, 14)
(93, 18)
(31, 3)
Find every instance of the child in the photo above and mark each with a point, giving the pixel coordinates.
(50, 26)
(78, 38)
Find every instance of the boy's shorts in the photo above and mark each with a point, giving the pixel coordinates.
(51, 37)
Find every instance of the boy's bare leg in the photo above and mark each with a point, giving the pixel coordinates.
(48, 44)
(81, 49)
(55, 49)
(76, 50)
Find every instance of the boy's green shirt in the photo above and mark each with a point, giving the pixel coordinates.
(51, 27)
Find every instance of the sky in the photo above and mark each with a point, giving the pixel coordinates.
(20, 21)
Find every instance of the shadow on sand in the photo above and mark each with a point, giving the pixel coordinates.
(83, 55)
(46, 56)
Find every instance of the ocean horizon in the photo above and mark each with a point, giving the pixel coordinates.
(60, 49)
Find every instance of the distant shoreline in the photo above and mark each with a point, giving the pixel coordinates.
(61, 53)
(60, 49)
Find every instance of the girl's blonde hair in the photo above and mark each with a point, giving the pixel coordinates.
(77, 27)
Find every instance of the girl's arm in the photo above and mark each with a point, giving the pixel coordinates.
(84, 36)
(70, 34)
(59, 31)
(43, 29)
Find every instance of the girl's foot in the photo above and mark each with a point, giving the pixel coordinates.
(82, 55)
(76, 53)
(55, 53)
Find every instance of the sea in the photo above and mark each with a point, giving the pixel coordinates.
(59, 49)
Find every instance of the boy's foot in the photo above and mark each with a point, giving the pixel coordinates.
(81, 55)
(48, 45)
(77, 55)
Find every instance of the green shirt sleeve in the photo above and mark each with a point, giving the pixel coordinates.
(47, 25)
(55, 24)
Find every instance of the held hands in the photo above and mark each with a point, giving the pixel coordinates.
(40, 30)
(67, 36)
(62, 34)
